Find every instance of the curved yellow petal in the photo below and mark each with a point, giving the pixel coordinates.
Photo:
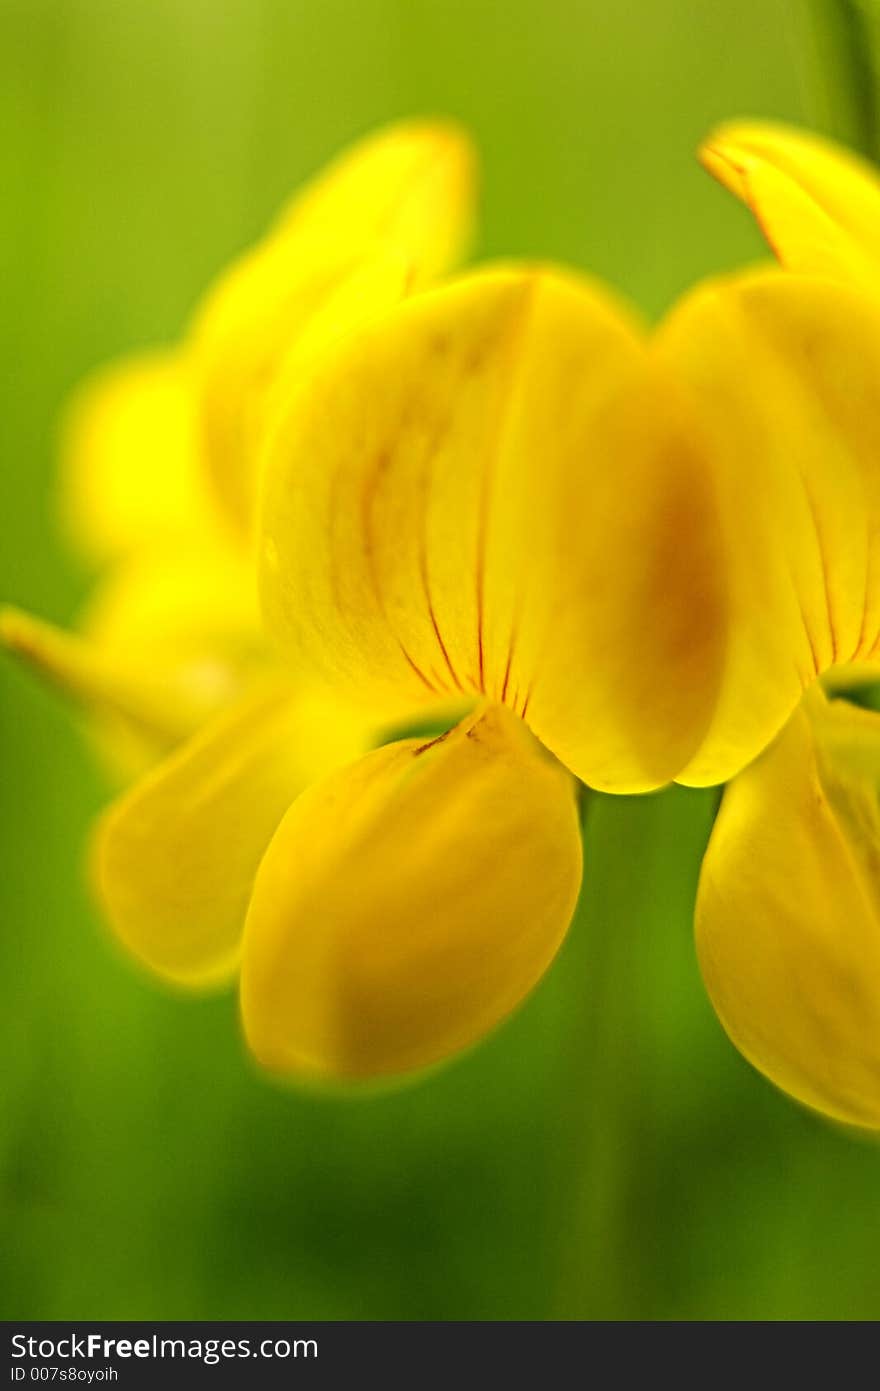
(817, 204)
(151, 709)
(130, 467)
(186, 617)
(784, 372)
(166, 639)
(390, 214)
(485, 493)
(407, 904)
(175, 856)
(410, 186)
(259, 323)
(788, 911)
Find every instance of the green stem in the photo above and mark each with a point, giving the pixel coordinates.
(841, 41)
(635, 989)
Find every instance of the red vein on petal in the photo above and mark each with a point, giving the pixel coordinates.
(417, 669)
(502, 417)
(507, 674)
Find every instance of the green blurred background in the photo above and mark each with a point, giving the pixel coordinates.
(607, 1153)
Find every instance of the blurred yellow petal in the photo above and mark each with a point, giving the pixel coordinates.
(175, 857)
(410, 186)
(166, 639)
(131, 471)
(788, 912)
(407, 904)
(390, 214)
(155, 708)
(187, 615)
(258, 326)
(485, 493)
(784, 371)
(160, 609)
(817, 204)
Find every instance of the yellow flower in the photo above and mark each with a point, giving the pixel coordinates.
(160, 468)
(788, 911)
(406, 904)
(504, 492)
(161, 451)
(629, 558)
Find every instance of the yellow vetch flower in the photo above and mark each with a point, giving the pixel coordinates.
(160, 452)
(408, 903)
(788, 912)
(647, 551)
(503, 491)
(632, 556)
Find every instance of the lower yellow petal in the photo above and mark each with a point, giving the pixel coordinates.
(175, 857)
(788, 911)
(408, 903)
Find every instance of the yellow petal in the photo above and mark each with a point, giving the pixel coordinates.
(175, 856)
(131, 472)
(410, 186)
(153, 707)
(817, 204)
(410, 902)
(784, 371)
(788, 912)
(167, 638)
(187, 617)
(485, 493)
(392, 213)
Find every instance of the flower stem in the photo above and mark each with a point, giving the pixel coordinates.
(841, 43)
(637, 1011)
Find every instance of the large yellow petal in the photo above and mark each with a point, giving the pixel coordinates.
(175, 856)
(390, 214)
(408, 903)
(487, 492)
(817, 204)
(130, 468)
(788, 912)
(785, 371)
